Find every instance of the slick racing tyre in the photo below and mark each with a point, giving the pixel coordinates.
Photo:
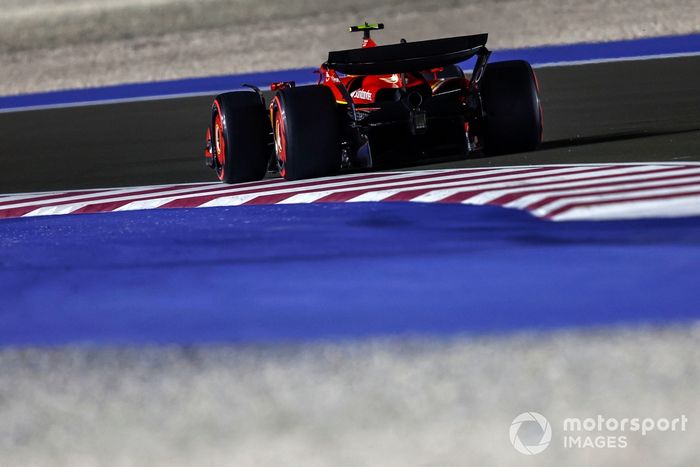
(240, 132)
(306, 132)
(513, 113)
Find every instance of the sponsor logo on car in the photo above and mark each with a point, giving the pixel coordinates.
(362, 94)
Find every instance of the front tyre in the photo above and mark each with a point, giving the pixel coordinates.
(240, 133)
(513, 113)
(306, 132)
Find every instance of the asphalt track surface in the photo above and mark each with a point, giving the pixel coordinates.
(633, 111)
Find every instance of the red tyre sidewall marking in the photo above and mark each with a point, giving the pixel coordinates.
(208, 155)
(280, 134)
(219, 141)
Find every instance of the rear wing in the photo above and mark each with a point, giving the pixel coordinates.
(407, 56)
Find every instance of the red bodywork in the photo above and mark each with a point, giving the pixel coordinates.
(364, 89)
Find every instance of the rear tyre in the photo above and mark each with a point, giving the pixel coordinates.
(305, 128)
(513, 113)
(240, 137)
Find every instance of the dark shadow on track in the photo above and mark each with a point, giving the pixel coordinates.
(611, 138)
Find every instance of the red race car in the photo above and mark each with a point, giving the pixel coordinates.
(378, 107)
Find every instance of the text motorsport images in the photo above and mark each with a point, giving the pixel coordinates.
(531, 432)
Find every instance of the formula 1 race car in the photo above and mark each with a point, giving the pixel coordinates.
(378, 107)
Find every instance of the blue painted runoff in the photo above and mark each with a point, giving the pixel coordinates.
(667, 45)
(329, 271)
